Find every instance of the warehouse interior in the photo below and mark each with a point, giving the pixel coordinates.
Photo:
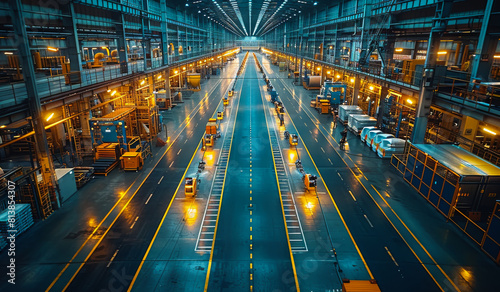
(128, 161)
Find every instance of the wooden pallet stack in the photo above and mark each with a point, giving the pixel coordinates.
(107, 157)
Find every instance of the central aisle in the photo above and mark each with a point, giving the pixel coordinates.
(251, 249)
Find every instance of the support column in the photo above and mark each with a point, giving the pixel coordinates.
(428, 83)
(44, 157)
(73, 45)
(164, 35)
(301, 19)
(486, 47)
(357, 84)
(121, 43)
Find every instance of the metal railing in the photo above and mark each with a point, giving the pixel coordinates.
(15, 93)
(438, 135)
(478, 96)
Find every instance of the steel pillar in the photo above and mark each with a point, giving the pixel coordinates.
(44, 157)
(428, 83)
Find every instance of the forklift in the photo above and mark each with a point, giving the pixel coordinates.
(293, 139)
(220, 115)
(225, 101)
(310, 182)
(190, 186)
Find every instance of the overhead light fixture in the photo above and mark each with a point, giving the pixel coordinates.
(371, 87)
(52, 49)
(109, 90)
(8, 53)
(315, 3)
(176, 71)
(442, 53)
(338, 76)
(3, 126)
(103, 48)
(352, 79)
(159, 77)
(489, 131)
(409, 101)
(494, 57)
(399, 50)
(328, 72)
(142, 82)
(113, 93)
(50, 117)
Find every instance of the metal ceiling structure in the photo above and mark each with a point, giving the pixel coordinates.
(250, 17)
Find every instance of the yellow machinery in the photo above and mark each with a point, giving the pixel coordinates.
(225, 101)
(193, 80)
(230, 93)
(360, 286)
(190, 187)
(310, 182)
(210, 133)
(113, 58)
(132, 161)
(220, 115)
(211, 127)
(208, 141)
(293, 139)
(324, 106)
(97, 61)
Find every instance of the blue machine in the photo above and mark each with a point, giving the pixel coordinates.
(334, 91)
(274, 95)
(108, 132)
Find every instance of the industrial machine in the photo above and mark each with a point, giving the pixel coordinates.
(293, 139)
(310, 182)
(357, 122)
(335, 92)
(371, 137)
(274, 95)
(378, 139)
(311, 82)
(220, 115)
(211, 133)
(193, 81)
(132, 161)
(230, 93)
(190, 186)
(390, 146)
(225, 101)
(208, 141)
(162, 100)
(346, 110)
(98, 61)
(364, 133)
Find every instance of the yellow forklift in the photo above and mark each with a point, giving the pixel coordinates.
(293, 139)
(190, 186)
(310, 182)
(225, 101)
(220, 115)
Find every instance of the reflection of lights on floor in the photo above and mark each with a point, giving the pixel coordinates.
(309, 205)
(192, 213)
(292, 156)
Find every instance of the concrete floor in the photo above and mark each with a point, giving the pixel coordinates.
(362, 222)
